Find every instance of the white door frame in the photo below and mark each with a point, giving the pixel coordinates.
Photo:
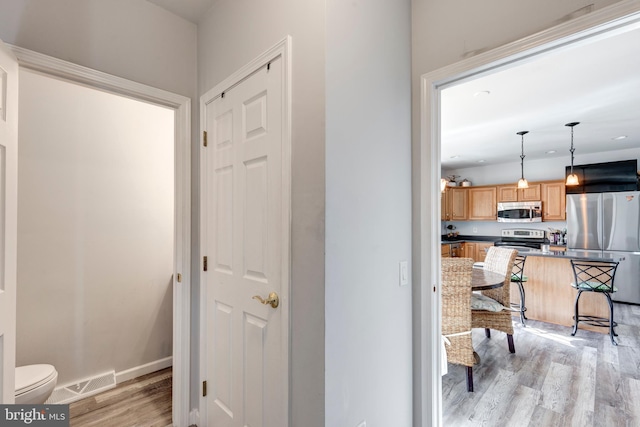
(426, 333)
(281, 49)
(182, 205)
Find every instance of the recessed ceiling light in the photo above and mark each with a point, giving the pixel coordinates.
(454, 157)
(618, 138)
(550, 152)
(481, 161)
(481, 93)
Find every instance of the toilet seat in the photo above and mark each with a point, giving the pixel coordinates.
(31, 377)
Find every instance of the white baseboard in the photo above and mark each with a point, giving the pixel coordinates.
(194, 417)
(147, 368)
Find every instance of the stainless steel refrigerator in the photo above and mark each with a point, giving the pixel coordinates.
(609, 223)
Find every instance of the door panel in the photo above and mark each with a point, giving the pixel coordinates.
(222, 366)
(8, 220)
(626, 279)
(223, 255)
(243, 225)
(621, 221)
(584, 221)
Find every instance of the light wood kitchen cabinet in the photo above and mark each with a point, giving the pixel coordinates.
(482, 204)
(454, 202)
(470, 250)
(510, 193)
(531, 194)
(553, 201)
(445, 251)
(507, 193)
(475, 250)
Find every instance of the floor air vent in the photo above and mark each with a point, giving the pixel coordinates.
(85, 388)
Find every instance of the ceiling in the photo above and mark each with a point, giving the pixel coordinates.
(191, 10)
(596, 83)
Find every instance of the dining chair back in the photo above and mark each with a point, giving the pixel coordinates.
(499, 260)
(456, 313)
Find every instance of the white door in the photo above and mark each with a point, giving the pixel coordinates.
(8, 217)
(245, 241)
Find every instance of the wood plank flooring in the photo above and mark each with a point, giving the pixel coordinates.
(141, 402)
(553, 379)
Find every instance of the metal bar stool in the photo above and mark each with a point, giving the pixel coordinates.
(518, 277)
(595, 277)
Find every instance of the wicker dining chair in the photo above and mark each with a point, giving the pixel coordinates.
(498, 260)
(456, 313)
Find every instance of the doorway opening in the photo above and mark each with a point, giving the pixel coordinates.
(177, 230)
(602, 23)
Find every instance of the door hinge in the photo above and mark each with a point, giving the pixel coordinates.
(204, 263)
(204, 388)
(179, 278)
(204, 138)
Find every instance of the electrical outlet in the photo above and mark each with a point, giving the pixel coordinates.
(363, 423)
(475, 229)
(404, 273)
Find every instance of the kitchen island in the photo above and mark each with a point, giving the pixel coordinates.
(549, 294)
(568, 254)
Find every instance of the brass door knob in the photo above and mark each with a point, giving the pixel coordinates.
(272, 300)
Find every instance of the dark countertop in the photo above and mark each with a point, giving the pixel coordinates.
(569, 254)
(464, 238)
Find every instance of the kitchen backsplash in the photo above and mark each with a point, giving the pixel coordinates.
(490, 228)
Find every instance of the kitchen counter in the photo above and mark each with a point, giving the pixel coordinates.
(465, 238)
(568, 254)
(549, 294)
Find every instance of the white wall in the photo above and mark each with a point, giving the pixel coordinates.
(539, 170)
(133, 39)
(229, 36)
(368, 224)
(446, 32)
(95, 229)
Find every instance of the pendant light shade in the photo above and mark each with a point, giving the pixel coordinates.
(522, 183)
(572, 178)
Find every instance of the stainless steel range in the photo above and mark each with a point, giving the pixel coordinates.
(522, 238)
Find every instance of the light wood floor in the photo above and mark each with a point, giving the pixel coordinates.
(553, 379)
(143, 401)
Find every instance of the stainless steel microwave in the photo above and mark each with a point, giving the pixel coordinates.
(520, 211)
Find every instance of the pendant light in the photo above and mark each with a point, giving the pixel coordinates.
(522, 183)
(572, 178)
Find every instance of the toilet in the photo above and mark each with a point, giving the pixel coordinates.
(35, 383)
